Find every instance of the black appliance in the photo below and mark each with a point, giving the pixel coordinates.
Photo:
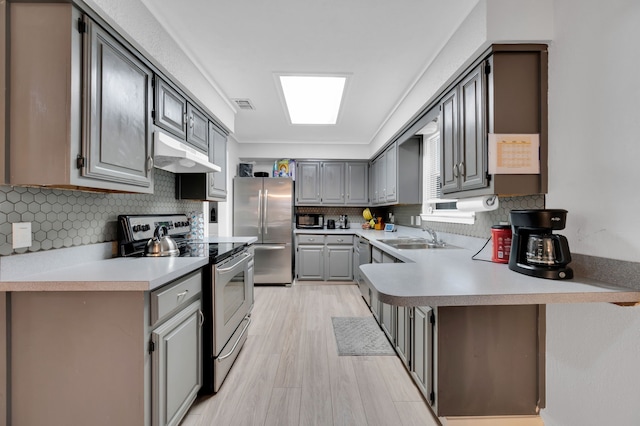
(309, 221)
(535, 249)
(331, 224)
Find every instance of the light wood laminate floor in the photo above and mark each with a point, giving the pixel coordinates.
(289, 371)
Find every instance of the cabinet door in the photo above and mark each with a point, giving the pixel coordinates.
(332, 187)
(387, 322)
(170, 109)
(473, 156)
(339, 263)
(381, 175)
(402, 334)
(218, 156)
(197, 129)
(308, 182)
(117, 124)
(310, 262)
(422, 348)
(391, 163)
(373, 182)
(357, 183)
(449, 142)
(177, 365)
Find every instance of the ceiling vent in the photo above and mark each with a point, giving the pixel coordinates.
(244, 103)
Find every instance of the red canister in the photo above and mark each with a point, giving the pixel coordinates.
(501, 236)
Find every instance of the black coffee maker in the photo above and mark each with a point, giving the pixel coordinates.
(535, 250)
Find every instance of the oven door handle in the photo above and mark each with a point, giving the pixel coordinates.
(220, 358)
(223, 270)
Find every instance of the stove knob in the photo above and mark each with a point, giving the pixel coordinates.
(146, 227)
(136, 228)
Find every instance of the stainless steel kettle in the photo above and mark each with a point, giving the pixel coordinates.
(161, 244)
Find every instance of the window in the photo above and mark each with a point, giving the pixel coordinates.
(434, 207)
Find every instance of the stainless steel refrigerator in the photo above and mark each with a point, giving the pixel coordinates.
(263, 208)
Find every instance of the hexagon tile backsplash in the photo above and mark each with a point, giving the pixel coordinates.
(62, 218)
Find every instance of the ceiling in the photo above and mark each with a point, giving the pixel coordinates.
(240, 45)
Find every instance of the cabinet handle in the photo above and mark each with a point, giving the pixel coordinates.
(455, 171)
(149, 163)
(311, 239)
(184, 118)
(462, 169)
(191, 121)
(201, 317)
(340, 240)
(182, 294)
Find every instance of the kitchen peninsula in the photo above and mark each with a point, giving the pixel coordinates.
(471, 333)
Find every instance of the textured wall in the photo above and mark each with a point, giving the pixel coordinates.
(61, 218)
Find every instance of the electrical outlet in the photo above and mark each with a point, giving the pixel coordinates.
(412, 219)
(418, 221)
(21, 234)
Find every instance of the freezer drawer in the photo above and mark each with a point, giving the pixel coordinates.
(273, 264)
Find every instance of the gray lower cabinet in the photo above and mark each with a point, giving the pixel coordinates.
(324, 257)
(423, 323)
(310, 262)
(177, 365)
(339, 262)
(403, 334)
(176, 348)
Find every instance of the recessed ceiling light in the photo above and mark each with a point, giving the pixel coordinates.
(312, 99)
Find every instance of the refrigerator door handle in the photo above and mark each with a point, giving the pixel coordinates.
(265, 217)
(259, 211)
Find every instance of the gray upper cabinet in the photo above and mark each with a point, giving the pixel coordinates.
(308, 183)
(197, 128)
(117, 111)
(170, 109)
(396, 174)
(175, 114)
(357, 183)
(218, 156)
(503, 92)
(101, 142)
(332, 187)
(391, 163)
(463, 135)
(207, 186)
(332, 183)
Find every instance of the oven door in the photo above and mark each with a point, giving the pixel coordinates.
(232, 298)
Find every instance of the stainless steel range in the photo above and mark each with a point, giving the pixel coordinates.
(227, 288)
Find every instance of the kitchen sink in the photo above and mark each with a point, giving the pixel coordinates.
(410, 243)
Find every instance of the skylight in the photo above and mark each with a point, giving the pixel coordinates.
(313, 99)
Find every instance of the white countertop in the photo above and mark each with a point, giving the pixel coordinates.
(92, 268)
(449, 277)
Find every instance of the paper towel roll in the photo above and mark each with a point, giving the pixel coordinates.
(478, 204)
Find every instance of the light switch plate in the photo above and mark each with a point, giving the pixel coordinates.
(21, 234)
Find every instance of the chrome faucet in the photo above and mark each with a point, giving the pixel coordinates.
(433, 235)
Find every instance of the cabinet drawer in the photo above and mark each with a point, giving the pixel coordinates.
(339, 239)
(310, 239)
(170, 297)
(376, 255)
